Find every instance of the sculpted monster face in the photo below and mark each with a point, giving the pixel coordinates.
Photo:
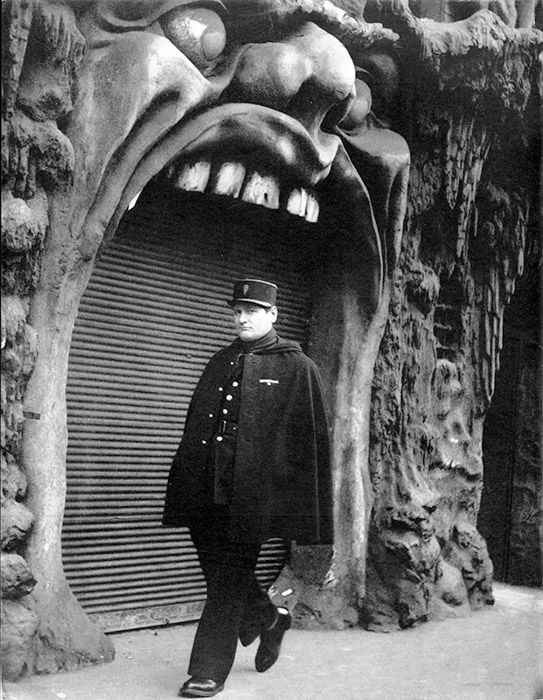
(265, 103)
(238, 99)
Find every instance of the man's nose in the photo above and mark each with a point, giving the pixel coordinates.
(308, 75)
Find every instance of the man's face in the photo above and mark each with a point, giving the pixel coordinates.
(252, 321)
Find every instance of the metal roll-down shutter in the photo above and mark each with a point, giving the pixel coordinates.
(153, 314)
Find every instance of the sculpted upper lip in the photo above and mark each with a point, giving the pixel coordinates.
(252, 128)
(245, 128)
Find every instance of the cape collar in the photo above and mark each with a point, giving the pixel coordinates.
(261, 344)
(270, 343)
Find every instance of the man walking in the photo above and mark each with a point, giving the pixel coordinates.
(253, 464)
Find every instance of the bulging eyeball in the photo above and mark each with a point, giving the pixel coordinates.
(360, 107)
(198, 32)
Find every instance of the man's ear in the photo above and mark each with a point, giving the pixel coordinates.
(273, 312)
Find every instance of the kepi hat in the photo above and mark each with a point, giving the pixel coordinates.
(254, 292)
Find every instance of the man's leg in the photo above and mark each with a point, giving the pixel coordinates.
(262, 619)
(258, 614)
(229, 572)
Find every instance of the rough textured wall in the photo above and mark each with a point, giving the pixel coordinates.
(470, 115)
(42, 49)
(35, 160)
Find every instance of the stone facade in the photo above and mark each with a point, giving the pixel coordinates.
(432, 146)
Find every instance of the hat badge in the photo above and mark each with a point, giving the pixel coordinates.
(245, 289)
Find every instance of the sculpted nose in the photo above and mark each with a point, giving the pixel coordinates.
(309, 75)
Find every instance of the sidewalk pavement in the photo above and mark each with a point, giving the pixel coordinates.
(494, 654)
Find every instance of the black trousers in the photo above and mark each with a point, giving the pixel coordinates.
(235, 601)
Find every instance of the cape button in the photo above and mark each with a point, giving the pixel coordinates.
(219, 438)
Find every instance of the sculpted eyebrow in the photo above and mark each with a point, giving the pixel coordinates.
(264, 21)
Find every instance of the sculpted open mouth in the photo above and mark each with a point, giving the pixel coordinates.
(243, 151)
(258, 156)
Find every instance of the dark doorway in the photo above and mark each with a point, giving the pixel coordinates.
(510, 514)
(153, 314)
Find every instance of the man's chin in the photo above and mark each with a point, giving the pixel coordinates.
(248, 336)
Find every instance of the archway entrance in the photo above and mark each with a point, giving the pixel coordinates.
(153, 314)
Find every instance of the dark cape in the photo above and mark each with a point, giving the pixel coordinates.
(282, 477)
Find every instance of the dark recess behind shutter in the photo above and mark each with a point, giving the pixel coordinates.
(153, 314)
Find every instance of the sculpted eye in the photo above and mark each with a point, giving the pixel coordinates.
(197, 32)
(359, 107)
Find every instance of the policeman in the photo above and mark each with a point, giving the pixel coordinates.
(253, 464)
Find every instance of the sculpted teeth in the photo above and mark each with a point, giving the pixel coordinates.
(297, 202)
(312, 209)
(194, 176)
(133, 201)
(263, 190)
(231, 180)
(301, 203)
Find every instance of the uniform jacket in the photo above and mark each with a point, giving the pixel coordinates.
(282, 478)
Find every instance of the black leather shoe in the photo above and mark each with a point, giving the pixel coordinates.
(252, 628)
(248, 634)
(200, 688)
(270, 641)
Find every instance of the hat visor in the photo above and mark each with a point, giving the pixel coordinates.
(265, 304)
